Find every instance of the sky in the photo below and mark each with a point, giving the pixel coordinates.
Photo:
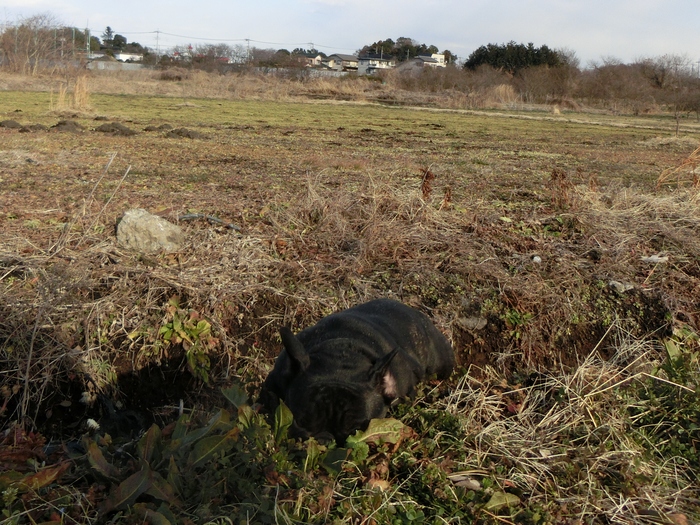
(594, 29)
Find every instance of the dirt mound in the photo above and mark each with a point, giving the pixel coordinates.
(115, 128)
(69, 126)
(10, 124)
(184, 133)
(162, 127)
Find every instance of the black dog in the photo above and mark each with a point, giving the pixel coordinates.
(348, 368)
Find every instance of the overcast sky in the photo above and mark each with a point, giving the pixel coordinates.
(623, 29)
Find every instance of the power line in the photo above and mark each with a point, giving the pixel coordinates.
(222, 40)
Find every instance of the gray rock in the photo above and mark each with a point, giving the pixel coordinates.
(471, 323)
(620, 287)
(146, 233)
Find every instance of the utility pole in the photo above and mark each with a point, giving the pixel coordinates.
(87, 42)
(157, 45)
(247, 53)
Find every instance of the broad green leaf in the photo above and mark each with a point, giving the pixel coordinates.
(177, 323)
(500, 500)
(283, 420)
(313, 452)
(672, 348)
(149, 445)
(165, 511)
(151, 516)
(245, 416)
(99, 463)
(236, 395)
(208, 446)
(333, 460)
(127, 492)
(220, 421)
(161, 489)
(181, 426)
(379, 431)
(174, 476)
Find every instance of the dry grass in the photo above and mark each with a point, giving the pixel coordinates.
(95, 306)
(78, 99)
(687, 173)
(566, 440)
(532, 269)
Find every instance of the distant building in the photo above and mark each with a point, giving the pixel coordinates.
(340, 62)
(417, 64)
(310, 58)
(434, 60)
(128, 57)
(370, 64)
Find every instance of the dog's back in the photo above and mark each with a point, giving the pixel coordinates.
(372, 330)
(345, 350)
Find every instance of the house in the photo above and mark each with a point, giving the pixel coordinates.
(416, 65)
(434, 60)
(370, 64)
(310, 58)
(128, 57)
(341, 62)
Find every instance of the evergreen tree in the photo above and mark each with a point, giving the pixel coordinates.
(512, 57)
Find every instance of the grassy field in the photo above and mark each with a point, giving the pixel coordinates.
(541, 244)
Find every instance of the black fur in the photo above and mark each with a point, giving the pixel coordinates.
(348, 368)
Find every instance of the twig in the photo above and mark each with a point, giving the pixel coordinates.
(210, 218)
(499, 518)
(668, 382)
(61, 242)
(25, 394)
(105, 206)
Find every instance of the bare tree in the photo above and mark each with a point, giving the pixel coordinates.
(31, 44)
(615, 85)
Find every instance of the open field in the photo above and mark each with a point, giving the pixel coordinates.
(540, 244)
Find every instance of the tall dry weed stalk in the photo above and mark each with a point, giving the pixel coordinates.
(687, 173)
(426, 185)
(79, 101)
(561, 189)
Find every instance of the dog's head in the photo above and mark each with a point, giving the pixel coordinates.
(327, 405)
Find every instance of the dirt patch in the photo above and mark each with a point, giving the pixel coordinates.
(10, 124)
(184, 133)
(162, 127)
(69, 126)
(116, 129)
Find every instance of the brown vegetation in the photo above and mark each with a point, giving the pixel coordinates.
(539, 245)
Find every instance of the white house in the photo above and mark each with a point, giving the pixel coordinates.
(128, 57)
(434, 60)
(370, 64)
(341, 62)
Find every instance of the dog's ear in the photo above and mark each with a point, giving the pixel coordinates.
(295, 349)
(381, 376)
